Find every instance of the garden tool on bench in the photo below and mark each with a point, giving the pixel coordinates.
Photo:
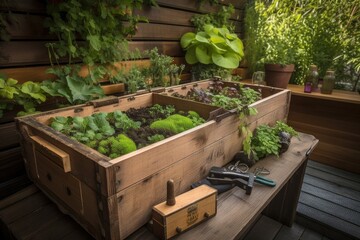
(221, 176)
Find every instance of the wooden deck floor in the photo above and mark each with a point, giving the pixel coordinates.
(328, 209)
(330, 202)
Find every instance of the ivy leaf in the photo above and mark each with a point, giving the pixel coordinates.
(95, 42)
(34, 90)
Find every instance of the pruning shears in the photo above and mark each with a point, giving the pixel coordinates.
(221, 176)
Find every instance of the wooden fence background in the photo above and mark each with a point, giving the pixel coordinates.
(25, 58)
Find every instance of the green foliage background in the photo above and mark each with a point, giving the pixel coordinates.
(325, 33)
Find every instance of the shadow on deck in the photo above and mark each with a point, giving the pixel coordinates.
(329, 208)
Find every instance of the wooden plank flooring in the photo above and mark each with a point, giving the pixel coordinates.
(329, 208)
(330, 202)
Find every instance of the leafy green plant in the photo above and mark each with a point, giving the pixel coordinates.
(117, 133)
(135, 80)
(159, 69)
(100, 25)
(217, 19)
(28, 95)
(266, 140)
(213, 46)
(308, 32)
(69, 85)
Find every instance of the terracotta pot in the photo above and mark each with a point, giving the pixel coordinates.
(277, 75)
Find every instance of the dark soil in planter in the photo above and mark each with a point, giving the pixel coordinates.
(226, 97)
(117, 133)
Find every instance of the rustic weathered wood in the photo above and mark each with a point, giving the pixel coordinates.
(244, 208)
(113, 185)
(16, 53)
(54, 154)
(32, 6)
(283, 207)
(11, 164)
(339, 138)
(191, 208)
(264, 227)
(8, 132)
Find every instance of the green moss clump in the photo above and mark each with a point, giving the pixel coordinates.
(116, 146)
(175, 123)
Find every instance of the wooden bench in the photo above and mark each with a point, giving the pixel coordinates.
(30, 214)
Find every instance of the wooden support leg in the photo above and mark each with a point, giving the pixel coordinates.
(283, 207)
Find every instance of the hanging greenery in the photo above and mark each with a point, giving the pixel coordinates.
(92, 31)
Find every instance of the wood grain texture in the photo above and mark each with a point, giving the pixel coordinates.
(17, 53)
(246, 208)
(8, 132)
(335, 122)
(28, 6)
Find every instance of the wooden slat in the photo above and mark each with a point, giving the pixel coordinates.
(195, 6)
(335, 171)
(332, 187)
(32, 6)
(8, 136)
(336, 210)
(19, 196)
(17, 53)
(286, 233)
(12, 186)
(334, 179)
(152, 31)
(166, 15)
(265, 228)
(321, 228)
(39, 220)
(28, 27)
(329, 220)
(11, 164)
(331, 197)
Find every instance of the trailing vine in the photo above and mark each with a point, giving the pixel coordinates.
(101, 26)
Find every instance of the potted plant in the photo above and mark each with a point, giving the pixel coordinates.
(270, 44)
(214, 46)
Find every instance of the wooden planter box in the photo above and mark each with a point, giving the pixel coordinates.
(113, 198)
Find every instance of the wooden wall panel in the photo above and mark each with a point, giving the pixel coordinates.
(25, 56)
(335, 124)
(17, 53)
(28, 6)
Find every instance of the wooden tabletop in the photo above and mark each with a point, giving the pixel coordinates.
(336, 95)
(237, 211)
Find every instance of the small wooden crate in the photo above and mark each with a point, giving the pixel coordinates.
(191, 208)
(111, 198)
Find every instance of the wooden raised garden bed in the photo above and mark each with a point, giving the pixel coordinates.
(111, 198)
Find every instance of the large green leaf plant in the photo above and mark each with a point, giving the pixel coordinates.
(213, 46)
(28, 95)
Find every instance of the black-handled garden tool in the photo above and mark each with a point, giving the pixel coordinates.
(221, 176)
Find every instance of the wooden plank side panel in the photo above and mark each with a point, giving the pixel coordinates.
(8, 132)
(135, 199)
(11, 164)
